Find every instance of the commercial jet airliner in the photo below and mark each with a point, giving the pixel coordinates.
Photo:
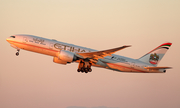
(64, 53)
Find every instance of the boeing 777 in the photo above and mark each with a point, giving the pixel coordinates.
(64, 53)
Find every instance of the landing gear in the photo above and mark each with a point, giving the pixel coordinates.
(86, 70)
(84, 66)
(78, 70)
(17, 53)
(90, 70)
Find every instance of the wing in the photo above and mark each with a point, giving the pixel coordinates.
(157, 68)
(100, 54)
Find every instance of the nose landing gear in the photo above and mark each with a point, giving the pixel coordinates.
(84, 66)
(17, 53)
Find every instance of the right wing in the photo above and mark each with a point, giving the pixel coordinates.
(100, 54)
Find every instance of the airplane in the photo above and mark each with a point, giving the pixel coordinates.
(64, 53)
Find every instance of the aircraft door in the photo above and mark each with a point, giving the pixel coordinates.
(25, 39)
(51, 45)
(132, 64)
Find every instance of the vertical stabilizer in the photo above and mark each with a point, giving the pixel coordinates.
(155, 56)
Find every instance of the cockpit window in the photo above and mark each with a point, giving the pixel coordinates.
(13, 36)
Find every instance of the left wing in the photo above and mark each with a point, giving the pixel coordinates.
(100, 54)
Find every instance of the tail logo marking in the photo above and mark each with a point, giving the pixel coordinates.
(154, 58)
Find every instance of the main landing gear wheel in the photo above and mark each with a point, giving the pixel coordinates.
(82, 70)
(86, 70)
(78, 70)
(90, 70)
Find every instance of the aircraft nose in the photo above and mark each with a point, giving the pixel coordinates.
(7, 39)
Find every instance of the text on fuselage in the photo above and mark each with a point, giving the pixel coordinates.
(38, 41)
(69, 48)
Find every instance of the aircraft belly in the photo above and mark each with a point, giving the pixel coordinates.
(18, 45)
(125, 68)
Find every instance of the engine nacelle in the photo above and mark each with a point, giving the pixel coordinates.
(56, 60)
(66, 56)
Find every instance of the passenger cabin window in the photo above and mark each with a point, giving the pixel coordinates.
(13, 36)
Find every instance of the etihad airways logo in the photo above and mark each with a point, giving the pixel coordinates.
(69, 48)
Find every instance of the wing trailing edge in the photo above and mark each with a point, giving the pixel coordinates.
(101, 54)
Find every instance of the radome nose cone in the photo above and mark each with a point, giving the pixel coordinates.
(7, 39)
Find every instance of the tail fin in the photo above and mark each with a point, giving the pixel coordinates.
(155, 56)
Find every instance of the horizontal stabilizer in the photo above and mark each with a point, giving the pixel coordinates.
(157, 68)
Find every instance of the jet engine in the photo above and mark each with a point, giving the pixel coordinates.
(64, 57)
(56, 60)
